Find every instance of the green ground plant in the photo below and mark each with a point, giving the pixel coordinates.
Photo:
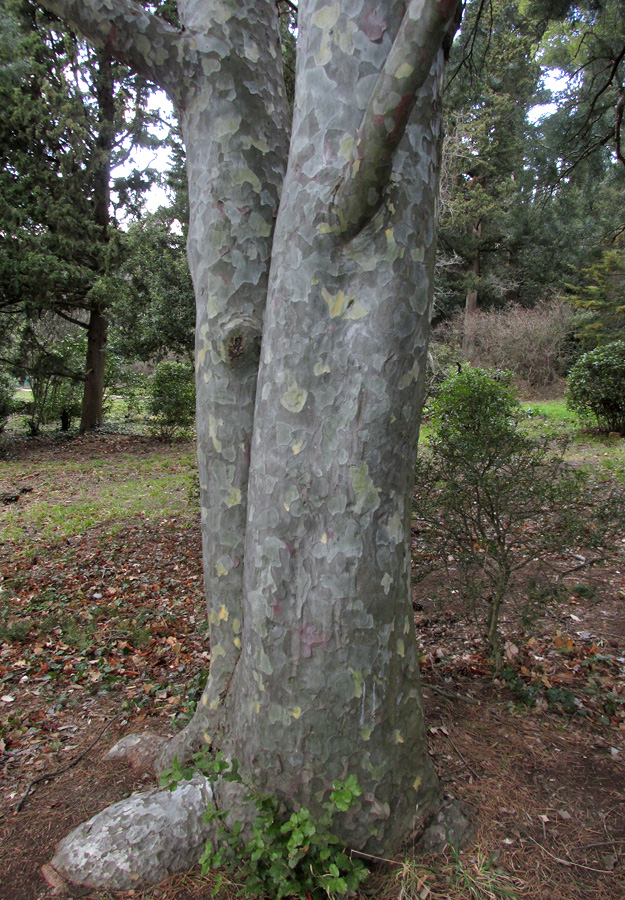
(284, 856)
(553, 414)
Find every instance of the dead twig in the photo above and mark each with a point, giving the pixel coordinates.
(453, 696)
(569, 862)
(63, 769)
(391, 862)
(467, 764)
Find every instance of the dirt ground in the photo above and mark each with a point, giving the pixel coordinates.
(106, 633)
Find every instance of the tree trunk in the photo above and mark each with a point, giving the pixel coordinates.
(93, 394)
(236, 160)
(314, 670)
(326, 631)
(470, 305)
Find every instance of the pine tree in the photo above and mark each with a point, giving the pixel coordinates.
(70, 114)
(492, 82)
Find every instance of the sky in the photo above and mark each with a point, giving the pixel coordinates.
(161, 160)
(142, 158)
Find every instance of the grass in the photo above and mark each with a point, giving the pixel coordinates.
(467, 876)
(553, 411)
(72, 496)
(599, 455)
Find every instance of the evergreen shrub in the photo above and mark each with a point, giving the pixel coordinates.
(490, 499)
(171, 400)
(7, 393)
(596, 387)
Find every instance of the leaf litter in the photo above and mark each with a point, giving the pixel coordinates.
(106, 624)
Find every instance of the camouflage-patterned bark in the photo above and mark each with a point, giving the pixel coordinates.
(328, 681)
(234, 124)
(314, 672)
(224, 74)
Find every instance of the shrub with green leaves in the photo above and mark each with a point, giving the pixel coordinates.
(596, 387)
(490, 500)
(8, 386)
(476, 414)
(171, 400)
(283, 856)
(130, 393)
(57, 381)
(442, 360)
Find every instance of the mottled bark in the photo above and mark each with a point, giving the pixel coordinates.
(235, 128)
(314, 671)
(406, 67)
(224, 73)
(328, 681)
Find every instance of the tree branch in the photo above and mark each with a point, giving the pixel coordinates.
(620, 109)
(64, 315)
(130, 34)
(408, 64)
(613, 65)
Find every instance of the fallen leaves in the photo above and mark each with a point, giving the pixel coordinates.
(109, 612)
(575, 673)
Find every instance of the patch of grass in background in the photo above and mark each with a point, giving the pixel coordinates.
(72, 496)
(601, 456)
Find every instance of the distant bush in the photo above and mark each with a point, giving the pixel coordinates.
(171, 399)
(596, 387)
(57, 382)
(535, 344)
(490, 500)
(132, 389)
(63, 403)
(8, 386)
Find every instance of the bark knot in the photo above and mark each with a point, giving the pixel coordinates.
(241, 344)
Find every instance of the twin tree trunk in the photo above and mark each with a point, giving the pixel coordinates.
(307, 446)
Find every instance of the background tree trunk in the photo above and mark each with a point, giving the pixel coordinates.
(470, 305)
(93, 395)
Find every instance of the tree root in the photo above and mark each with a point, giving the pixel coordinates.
(144, 838)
